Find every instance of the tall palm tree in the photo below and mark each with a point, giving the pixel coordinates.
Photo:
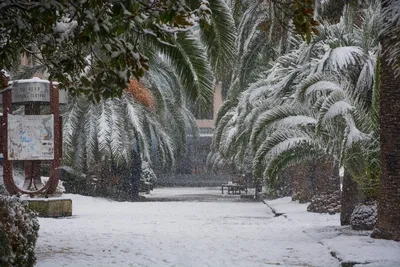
(388, 226)
(308, 103)
(181, 71)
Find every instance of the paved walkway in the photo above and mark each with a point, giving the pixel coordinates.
(212, 230)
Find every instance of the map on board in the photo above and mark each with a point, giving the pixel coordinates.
(30, 137)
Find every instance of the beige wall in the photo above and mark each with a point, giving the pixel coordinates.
(216, 105)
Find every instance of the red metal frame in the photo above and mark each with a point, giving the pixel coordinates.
(32, 168)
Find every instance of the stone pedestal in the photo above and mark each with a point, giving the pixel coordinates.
(48, 207)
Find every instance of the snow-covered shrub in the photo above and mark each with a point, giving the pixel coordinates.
(364, 216)
(18, 233)
(148, 174)
(325, 203)
(60, 187)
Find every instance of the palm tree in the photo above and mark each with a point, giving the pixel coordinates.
(181, 71)
(309, 104)
(388, 226)
(260, 40)
(119, 134)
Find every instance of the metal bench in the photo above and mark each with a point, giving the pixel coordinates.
(233, 188)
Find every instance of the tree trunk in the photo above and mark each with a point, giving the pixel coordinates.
(388, 223)
(136, 172)
(325, 173)
(299, 174)
(333, 10)
(350, 197)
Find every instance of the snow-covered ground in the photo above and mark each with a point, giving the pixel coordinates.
(345, 244)
(195, 233)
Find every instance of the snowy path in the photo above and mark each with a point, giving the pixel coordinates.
(213, 233)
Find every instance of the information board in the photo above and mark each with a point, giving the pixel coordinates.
(30, 137)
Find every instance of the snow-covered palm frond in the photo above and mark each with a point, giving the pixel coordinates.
(370, 27)
(258, 91)
(166, 86)
(163, 142)
(280, 140)
(365, 81)
(226, 107)
(216, 160)
(312, 88)
(170, 106)
(229, 135)
(340, 58)
(285, 87)
(221, 128)
(103, 134)
(333, 105)
(165, 83)
(189, 59)
(116, 144)
(353, 135)
(71, 116)
(134, 116)
(315, 100)
(288, 115)
(91, 129)
(249, 22)
(256, 45)
(190, 121)
(217, 33)
(390, 33)
(219, 37)
(109, 130)
(176, 117)
(279, 150)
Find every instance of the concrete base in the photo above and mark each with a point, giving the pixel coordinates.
(48, 207)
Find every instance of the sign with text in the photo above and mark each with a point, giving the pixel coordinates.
(34, 90)
(30, 137)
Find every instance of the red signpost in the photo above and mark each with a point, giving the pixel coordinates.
(32, 167)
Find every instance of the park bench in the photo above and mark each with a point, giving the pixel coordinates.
(235, 187)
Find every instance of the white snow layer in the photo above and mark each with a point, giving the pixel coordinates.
(338, 108)
(297, 120)
(219, 233)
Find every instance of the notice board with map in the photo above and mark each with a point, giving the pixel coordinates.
(30, 137)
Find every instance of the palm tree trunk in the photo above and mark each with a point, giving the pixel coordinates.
(350, 197)
(388, 223)
(333, 10)
(299, 174)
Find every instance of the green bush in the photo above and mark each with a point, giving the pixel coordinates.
(18, 233)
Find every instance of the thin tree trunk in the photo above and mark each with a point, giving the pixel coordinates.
(350, 197)
(136, 170)
(388, 223)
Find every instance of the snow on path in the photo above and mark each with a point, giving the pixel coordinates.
(107, 233)
(348, 245)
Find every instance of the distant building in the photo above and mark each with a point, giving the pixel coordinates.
(207, 125)
(193, 170)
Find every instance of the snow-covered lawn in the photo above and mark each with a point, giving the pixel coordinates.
(195, 233)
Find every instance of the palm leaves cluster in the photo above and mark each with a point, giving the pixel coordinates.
(316, 100)
(180, 72)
